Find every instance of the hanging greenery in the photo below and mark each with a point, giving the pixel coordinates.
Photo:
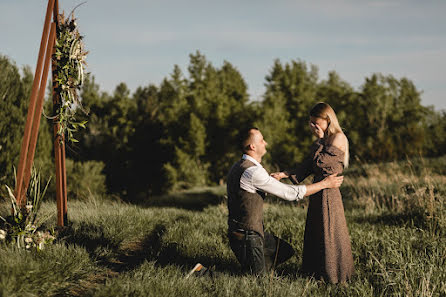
(69, 58)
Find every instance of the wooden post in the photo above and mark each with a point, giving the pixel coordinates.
(25, 162)
(59, 147)
(32, 125)
(39, 105)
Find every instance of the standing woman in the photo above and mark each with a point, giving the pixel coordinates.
(327, 249)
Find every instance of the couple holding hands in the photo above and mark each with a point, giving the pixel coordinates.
(327, 250)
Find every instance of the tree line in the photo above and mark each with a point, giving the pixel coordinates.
(183, 132)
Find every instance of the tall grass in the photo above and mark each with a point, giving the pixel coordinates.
(408, 191)
(116, 249)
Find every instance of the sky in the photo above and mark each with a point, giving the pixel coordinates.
(139, 41)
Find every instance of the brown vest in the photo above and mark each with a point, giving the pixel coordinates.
(245, 209)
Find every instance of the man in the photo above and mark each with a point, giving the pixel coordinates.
(256, 250)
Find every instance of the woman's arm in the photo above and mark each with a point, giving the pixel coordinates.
(302, 170)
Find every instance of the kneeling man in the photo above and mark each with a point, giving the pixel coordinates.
(256, 250)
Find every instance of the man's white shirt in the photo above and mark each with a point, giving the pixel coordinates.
(256, 178)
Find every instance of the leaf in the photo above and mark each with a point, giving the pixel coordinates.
(13, 200)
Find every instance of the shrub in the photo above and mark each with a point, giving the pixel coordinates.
(85, 180)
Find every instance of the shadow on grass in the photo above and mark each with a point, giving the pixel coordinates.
(414, 219)
(109, 253)
(128, 256)
(90, 236)
(190, 200)
(118, 257)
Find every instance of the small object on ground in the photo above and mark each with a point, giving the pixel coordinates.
(198, 270)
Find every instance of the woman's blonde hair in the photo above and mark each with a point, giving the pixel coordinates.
(324, 111)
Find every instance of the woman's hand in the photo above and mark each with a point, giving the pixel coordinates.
(279, 175)
(317, 131)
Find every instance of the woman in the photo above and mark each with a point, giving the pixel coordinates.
(327, 250)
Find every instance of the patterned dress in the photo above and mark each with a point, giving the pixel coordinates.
(327, 249)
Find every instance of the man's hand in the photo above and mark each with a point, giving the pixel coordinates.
(329, 182)
(279, 175)
(317, 131)
(333, 181)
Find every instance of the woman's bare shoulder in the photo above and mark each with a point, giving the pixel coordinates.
(339, 140)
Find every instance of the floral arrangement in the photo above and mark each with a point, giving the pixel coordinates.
(24, 226)
(69, 59)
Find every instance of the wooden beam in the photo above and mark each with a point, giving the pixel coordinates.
(20, 189)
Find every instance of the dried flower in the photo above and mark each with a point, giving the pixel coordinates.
(2, 234)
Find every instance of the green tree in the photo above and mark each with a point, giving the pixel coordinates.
(435, 132)
(392, 118)
(15, 90)
(201, 116)
(290, 93)
(109, 129)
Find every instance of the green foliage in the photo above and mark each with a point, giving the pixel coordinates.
(15, 90)
(283, 117)
(69, 58)
(435, 132)
(183, 132)
(13, 97)
(85, 180)
(392, 118)
(187, 169)
(107, 137)
(180, 134)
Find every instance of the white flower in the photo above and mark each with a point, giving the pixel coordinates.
(29, 207)
(27, 246)
(30, 227)
(2, 234)
(28, 240)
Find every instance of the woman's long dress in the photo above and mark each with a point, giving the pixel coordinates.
(327, 249)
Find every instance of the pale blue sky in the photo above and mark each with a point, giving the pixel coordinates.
(139, 41)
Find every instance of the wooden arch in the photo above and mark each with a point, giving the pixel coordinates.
(34, 115)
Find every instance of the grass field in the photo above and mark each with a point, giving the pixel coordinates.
(395, 212)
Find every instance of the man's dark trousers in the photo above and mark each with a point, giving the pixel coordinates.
(258, 255)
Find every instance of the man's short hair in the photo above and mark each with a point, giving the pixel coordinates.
(245, 138)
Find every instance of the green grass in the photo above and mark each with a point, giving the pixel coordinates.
(118, 249)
